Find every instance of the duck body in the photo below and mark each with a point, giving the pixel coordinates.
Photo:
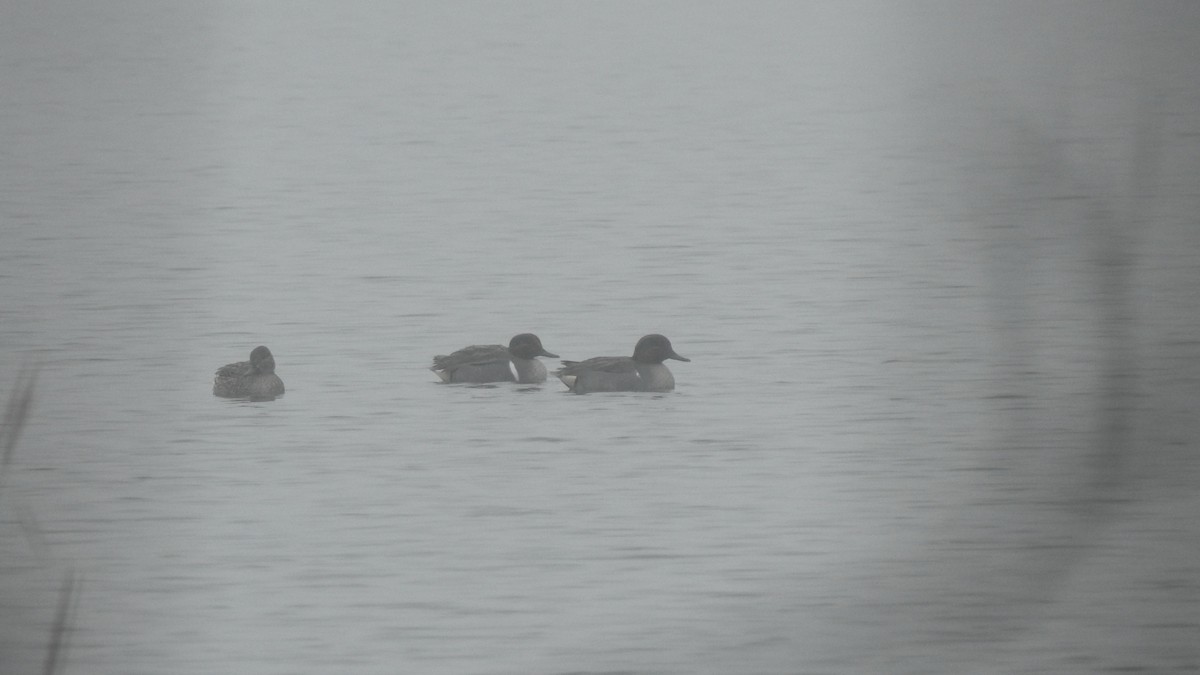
(615, 373)
(254, 379)
(481, 364)
(644, 371)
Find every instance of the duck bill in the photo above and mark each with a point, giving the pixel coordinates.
(677, 357)
(546, 353)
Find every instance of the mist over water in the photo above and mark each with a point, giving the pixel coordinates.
(933, 267)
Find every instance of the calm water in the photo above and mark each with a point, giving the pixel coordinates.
(938, 293)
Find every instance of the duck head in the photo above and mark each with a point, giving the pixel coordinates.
(261, 360)
(528, 346)
(655, 348)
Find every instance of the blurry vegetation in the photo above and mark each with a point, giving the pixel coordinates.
(16, 414)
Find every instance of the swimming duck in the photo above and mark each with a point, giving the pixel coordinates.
(495, 363)
(643, 372)
(254, 379)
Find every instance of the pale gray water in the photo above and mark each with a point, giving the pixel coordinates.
(879, 233)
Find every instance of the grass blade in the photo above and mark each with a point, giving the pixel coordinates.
(60, 636)
(20, 403)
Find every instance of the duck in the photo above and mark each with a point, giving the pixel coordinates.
(254, 379)
(644, 371)
(481, 364)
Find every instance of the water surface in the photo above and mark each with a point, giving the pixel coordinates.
(935, 420)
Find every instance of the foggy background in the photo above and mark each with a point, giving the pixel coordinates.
(934, 265)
